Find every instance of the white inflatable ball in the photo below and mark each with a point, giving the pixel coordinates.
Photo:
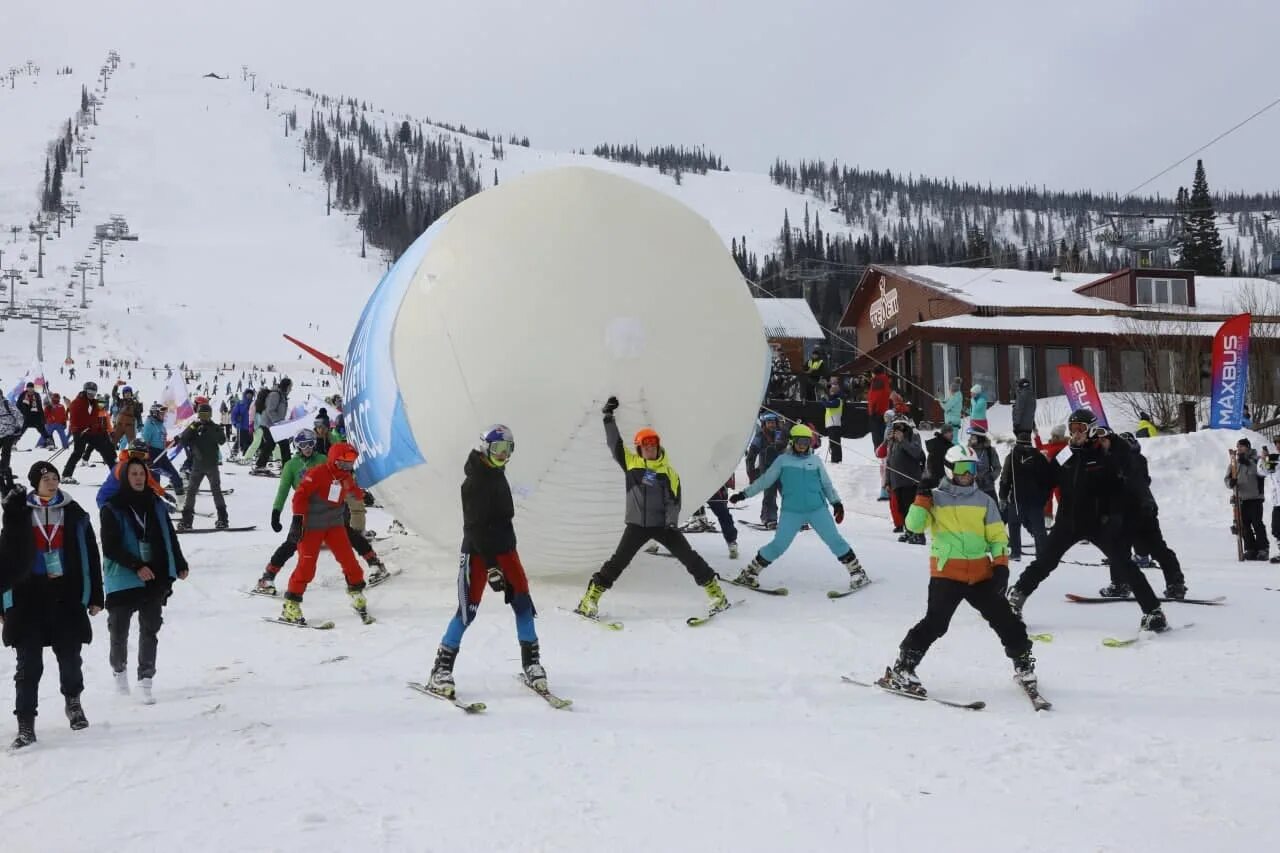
(529, 305)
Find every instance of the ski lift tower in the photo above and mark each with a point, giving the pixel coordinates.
(1143, 234)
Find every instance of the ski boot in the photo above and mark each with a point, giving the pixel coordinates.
(902, 675)
(750, 576)
(1024, 669)
(857, 575)
(1115, 590)
(771, 525)
(441, 680)
(534, 675)
(26, 729)
(379, 571)
(292, 612)
(1154, 622)
(716, 594)
(183, 525)
(903, 535)
(1176, 591)
(884, 494)
(267, 583)
(589, 606)
(917, 539)
(144, 687)
(359, 603)
(1017, 598)
(122, 682)
(75, 714)
(733, 550)
(221, 523)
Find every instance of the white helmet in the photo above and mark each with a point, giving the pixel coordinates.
(958, 454)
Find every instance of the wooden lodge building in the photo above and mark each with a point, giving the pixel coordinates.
(1133, 330)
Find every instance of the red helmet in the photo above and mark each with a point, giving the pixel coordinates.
(343, 456)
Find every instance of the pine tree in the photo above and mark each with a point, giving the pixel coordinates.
(1201, 244)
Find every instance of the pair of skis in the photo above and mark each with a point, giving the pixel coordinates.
(547, 696)
(692, 621)
(782, 590)
(1031, 691)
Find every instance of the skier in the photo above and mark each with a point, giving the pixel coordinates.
(1092, 509)
(1146, 429)
(1243, 477)
(953, 408)
(11, 427)
(653, 511)
(51, 581)
(275, 411)
(1143, 522)
(767, 444)
(89, 432)
(156, 437)
(1024, 485)
(987, 458)
(55, 420)
(307, 457)
(906, 465)
(319, 510)
(127, 414)
(978, 404)
(833, 411)
(968, 545)
(141, 558)
(1024, 407)
(877, 404)
(806, 491)
(489, 556)
(242, 420)
(202, 438)
(32, 414)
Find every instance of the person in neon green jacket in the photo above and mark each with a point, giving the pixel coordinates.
(290, 475)
(968, 561)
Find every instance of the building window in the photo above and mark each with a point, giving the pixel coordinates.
(1022, 365)
(982, 364)
(1095, 364)
(885, 334)
(1054, 357)
(1133, 370)
(1162, 291)
(1169, 378)
(946, 366)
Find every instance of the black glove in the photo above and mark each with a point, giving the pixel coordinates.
(737, 498)
(497, 582)
(275, 521)
(1004, 506)
(16, 497)
(837, 512)
(610, 406)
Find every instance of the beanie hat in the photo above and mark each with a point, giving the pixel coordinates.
(38, 470)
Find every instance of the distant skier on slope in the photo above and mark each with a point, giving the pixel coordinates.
(968, 545)
(653, 510)
(202, 438)
(489, 556)
(275, 410)
(806, 491)
(1092, 509)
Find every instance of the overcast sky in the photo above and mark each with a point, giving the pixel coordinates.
(1088, 93)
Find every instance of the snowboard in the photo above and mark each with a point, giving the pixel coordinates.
(216, 530)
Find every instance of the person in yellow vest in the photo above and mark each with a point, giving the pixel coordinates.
(833, 404)
(814, 371)
(1146, 429)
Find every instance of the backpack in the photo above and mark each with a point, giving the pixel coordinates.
(260, 402)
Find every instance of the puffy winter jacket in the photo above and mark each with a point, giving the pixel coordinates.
(937, 448)
(11, 419)
(878, 395)
(968, 538)
(55, 414)
(767, 444)
(277, 409)
(242, 413)
(1027, 477)
(1091, 489)
(653, 486)
(86, 417)
(155, 434)
(122, 552)
(293, 472)
(953, 408)
(487, 510)
(906, 461)
(202, 440)
(1247, 480)
(805, 484)
(321, 497)
(1024, 410)
(32, 409)
(988, 468)
(978, 407)
(1146, 429)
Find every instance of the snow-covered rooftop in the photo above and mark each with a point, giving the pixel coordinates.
(788, 318)
(1007, 287)
(1089, 324)
(1228, 295)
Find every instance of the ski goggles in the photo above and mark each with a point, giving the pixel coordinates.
(305, 445)
(501, 450)
(649, 441)
(344, 464)
(1078, 428)
(967, 466)
(802, 443)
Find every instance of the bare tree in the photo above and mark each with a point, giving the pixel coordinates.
(1261, 299)
(1174, 350)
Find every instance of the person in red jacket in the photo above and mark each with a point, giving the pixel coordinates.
(877, 404)
(1056, 444)
(89, 431)
(320, 511)
(55, 421)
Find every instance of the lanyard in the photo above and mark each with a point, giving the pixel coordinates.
(45, 532)
(142, 524)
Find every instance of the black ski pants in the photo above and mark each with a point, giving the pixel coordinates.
(1116, 547)
(84, 446)
(986, 597)
(6, 455)
(834, 450)
(1252, 528)
(727, 528)
(635, 537)
(26, 675)
(1275, 523)
(267, 445)
(1144, 531)
(1029, 514)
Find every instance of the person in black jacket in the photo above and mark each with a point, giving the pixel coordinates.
(489, 555)
(1025, 482)
(51, 581)
(1091, 508)
(1142, 522)
(936, 448)
(142, 558)
(905, 466)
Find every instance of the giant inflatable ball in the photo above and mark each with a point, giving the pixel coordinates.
(529, 305)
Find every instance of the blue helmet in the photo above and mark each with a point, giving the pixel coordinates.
(496, 444)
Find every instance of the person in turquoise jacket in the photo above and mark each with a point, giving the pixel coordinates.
(806, 491)
(978, 407)
(953, 409)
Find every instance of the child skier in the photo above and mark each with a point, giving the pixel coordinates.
(653, 510)
(319, 510)
(967, 543)
(806, 491)
(489, 556)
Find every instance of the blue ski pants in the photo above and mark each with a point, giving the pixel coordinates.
(789, 524)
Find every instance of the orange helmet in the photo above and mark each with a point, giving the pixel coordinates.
(343, 456)
(647, 436)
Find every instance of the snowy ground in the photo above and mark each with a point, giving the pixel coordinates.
(735, 736)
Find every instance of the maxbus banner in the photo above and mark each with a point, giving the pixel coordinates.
(1230, 373)
(1081, 392)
